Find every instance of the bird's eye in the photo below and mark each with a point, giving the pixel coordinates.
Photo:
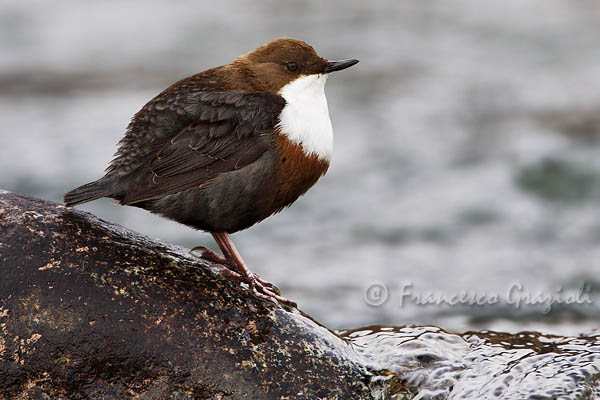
(292, 66)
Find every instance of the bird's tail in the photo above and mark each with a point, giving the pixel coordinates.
(88, 192)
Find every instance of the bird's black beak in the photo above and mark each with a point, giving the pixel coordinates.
(339, 65)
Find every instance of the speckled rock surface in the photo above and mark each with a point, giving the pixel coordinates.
(89, 309)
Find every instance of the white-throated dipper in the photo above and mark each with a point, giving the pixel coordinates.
(225, 148)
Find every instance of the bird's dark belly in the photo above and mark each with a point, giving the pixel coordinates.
(236, 200)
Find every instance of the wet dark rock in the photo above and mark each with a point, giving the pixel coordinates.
(89, 309)
(581, 124)
(558, 180)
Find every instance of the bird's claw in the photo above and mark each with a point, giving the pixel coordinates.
(257, 285)
(210, 255)
(216, 258)
(227, 268)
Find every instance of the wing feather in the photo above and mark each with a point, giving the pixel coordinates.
(226, 132)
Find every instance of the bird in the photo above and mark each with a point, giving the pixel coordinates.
(226, 148)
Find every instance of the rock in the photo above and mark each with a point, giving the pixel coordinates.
(558, 180)
(579, 123)
(89, 309)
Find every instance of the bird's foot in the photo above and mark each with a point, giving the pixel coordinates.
(229, 269)
(216, 258)
(259, 289)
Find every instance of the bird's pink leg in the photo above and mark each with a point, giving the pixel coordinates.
(232, 260)
(229, 265)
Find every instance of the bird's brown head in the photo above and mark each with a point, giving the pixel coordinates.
(281, 61)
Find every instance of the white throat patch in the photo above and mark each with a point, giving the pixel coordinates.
(305, 117)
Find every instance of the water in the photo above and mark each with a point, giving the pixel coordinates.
(466, 154)
(431, 363)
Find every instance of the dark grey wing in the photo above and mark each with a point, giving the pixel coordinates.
(229, 130)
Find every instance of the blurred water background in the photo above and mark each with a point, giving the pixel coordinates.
(466, 154)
